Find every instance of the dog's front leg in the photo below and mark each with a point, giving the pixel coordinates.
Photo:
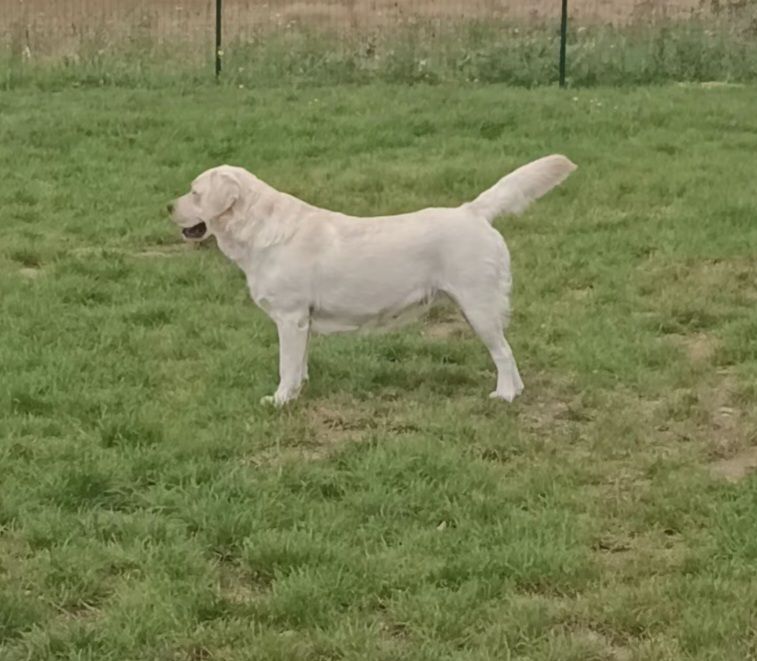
(293, 341)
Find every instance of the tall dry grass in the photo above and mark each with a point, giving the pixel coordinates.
(337, 41)
(43, 28)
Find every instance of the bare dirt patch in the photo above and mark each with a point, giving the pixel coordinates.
(713, 85)
(170, 250)
(738, 467)
(237, 586)
(715, 415)
(549, 405)
(602, 644)
(700, 348)
(631, 556)
(703, 279)
(30, 273)
(12, 551)
(324, 427)
(446, 330)
(730, 426)
(445, 322)
(333, 422)
(160, 251)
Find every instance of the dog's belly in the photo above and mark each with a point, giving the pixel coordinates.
(326, 322)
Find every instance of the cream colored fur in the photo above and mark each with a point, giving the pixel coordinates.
(315, 270)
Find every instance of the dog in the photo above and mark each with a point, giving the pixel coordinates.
(314, 270)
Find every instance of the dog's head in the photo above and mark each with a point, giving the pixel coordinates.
(209, 203)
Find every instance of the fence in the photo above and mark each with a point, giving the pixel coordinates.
(516, 41)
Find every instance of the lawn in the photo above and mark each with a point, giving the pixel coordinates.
(150, 508)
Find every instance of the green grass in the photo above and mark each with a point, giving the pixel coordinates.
(151, 509)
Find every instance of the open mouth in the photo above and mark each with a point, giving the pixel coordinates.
(195, 232)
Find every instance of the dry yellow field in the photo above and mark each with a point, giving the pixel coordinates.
(44, 27)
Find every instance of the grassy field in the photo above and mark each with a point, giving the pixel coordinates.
(151, 509)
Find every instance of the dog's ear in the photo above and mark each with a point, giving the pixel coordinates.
(223, 193)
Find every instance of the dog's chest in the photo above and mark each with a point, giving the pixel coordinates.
(269, 291)
(263, 296)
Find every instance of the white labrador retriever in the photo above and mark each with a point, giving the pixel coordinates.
(315, 270)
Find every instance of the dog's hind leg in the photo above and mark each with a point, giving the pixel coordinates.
(509, 383)
(489, 326)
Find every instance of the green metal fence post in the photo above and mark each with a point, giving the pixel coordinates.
(563, 41)
(219, 35)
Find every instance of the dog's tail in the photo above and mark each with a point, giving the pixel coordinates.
(513, 193)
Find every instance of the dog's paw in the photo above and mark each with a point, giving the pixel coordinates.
(273, 400)
(277, 400)
(508, 388)
(508, 396)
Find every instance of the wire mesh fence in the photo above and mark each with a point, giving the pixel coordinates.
(506, 40)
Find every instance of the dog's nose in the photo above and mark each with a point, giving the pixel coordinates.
(169, 206)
